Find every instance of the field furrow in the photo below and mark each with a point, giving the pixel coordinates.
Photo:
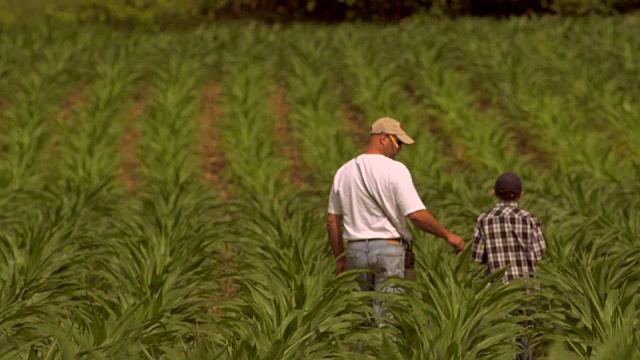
(128, 169)
(289, 145)
(215, 162)
(316, 112)
(163, 194)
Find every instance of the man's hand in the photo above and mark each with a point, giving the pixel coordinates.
(424, 220)
(341, 265)
(456, 241)
(334, 229)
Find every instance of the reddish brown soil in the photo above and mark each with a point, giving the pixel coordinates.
(64, 117)
(356, 124)
(127, 172)
(483, 102)
(210, 141)
(75, 100)
(622, 149)
(288, 144)
(525, 144)
(229, 286)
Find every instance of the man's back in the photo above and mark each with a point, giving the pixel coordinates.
(389, 182)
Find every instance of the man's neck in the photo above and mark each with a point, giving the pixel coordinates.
(372, 150)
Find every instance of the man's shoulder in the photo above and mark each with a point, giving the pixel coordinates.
(395, 166)
(346, 166)
(384, 164)
(399, 165)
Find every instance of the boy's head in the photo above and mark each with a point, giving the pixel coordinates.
(508, 187)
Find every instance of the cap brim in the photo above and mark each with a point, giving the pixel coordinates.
(405, 138)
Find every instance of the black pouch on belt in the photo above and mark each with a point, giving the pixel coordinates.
(409, 261)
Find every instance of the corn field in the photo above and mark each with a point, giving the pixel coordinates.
(163, 195)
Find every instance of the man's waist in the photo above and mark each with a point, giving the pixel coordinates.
(359, 234)
(390, 241)
(376, 239)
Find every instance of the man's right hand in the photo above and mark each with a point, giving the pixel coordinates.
(456, 241)
(341, 265)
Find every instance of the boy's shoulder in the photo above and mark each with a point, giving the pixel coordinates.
(525, 213)
(512, 211)
(483, 216)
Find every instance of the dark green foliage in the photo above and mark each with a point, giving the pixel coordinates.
(157, 14)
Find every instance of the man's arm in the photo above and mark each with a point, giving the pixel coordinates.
(425, 221)
(334, 229)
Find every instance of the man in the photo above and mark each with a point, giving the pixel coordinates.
(369, 201)
(509, 237)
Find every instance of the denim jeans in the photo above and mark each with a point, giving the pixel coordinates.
(384, 257)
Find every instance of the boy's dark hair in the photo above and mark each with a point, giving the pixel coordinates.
(508, 186)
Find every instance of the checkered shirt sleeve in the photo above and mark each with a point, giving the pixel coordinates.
(509, 236)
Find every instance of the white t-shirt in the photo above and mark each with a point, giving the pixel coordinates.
(391, 184)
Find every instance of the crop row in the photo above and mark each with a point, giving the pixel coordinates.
(150, 209)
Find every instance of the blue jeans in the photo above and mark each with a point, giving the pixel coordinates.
(384, 257)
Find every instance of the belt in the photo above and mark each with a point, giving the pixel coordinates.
(406, 244)
(394, 241)
(374, 239)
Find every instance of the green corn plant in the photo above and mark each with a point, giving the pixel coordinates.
(451, 313)
(88, 153)
(315, 112)
(247, 131)
(46, 259)
(377, 88)
(592, 300)
(169, 129)
(155, 282)
(291, 305)
(147, 280)
(375, 82)
(618, 347)
(28, 128)
(455, 107)
(580, 113)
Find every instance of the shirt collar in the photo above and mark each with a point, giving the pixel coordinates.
(504, 203)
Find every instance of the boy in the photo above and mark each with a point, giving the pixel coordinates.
(508, 235)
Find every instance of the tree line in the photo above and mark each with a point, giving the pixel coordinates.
(194, 12)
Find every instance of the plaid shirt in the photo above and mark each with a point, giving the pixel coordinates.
(508, 235)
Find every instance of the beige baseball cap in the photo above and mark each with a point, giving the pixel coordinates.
(387, 125)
